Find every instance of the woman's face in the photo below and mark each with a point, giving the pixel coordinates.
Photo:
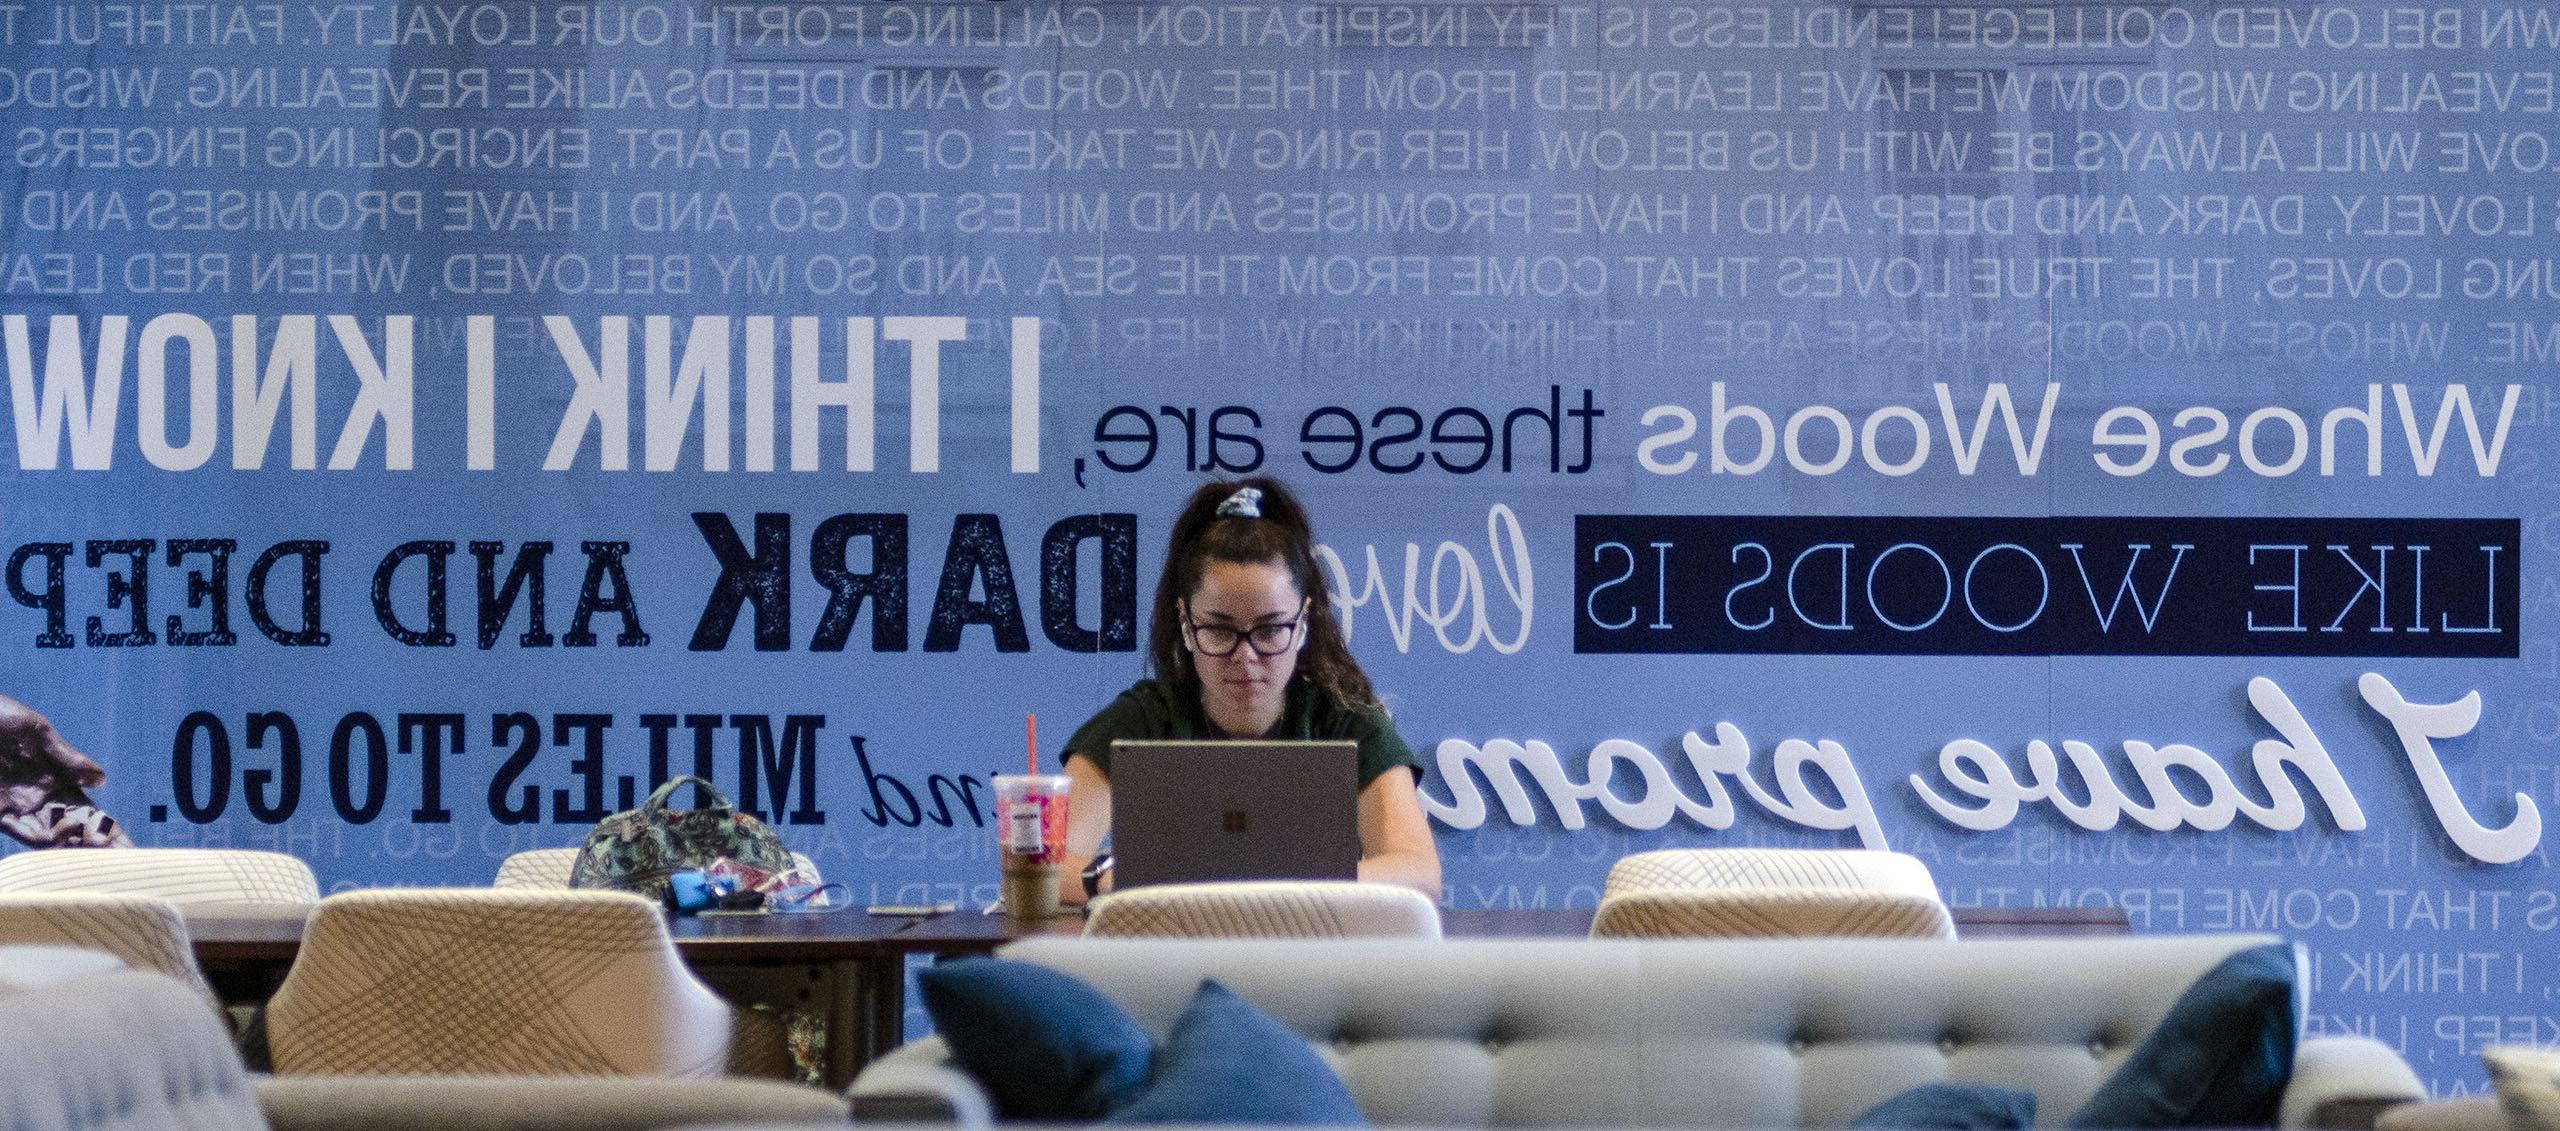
(1242, 691)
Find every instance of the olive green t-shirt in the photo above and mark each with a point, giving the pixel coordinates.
(1150, 710)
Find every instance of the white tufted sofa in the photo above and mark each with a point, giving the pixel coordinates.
(92, 1046)
(1676, 1034)
(102, 1048)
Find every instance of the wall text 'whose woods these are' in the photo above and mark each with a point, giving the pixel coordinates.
(1734, 437)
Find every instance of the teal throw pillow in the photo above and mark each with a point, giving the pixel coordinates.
(1227, 1062)
(1047, 1046)
(2221, 1058)
(1952, 1107)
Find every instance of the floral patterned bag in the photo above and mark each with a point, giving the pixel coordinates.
(637, 849)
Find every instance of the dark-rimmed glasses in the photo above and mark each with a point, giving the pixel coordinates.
(1268, 639)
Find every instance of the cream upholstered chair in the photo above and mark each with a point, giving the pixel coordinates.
(486, 982)
(1771, 893)
(1849, 869)
(148, 934)
(1266, 909)
(762, 1043)
(178, 875)
(536, 868)
(550, 868)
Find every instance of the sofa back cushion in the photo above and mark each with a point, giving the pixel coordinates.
(1227, 1062)
(1580, 1033)
(1048, 1048)
(114, 1050)
(2221, 1058)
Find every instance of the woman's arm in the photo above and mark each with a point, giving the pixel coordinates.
(1088, 825)
(1395, 840)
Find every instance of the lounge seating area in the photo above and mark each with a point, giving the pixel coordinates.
(1788, 1003)
(1451, 1034)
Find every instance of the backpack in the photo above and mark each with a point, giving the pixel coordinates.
(638, 849)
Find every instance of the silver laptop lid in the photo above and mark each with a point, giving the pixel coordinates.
(1195, 810)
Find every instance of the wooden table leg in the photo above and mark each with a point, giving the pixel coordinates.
(868, 1014)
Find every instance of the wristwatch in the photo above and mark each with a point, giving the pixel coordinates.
(1093, 874)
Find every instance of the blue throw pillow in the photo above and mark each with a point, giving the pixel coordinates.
(1227, 1062)
(1047, 1046)
(1952, 1107)
(2221, 1058)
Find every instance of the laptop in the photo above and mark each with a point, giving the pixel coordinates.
(1195, 810)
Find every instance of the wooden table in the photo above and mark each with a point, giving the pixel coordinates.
(250, 946)
(965, 933)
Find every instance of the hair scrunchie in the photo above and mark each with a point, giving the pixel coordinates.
(1245, 503)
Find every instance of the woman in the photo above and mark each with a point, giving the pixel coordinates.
(1244, 645)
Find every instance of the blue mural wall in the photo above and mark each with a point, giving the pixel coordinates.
(2095, 447)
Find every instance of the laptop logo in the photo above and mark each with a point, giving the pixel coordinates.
(1233, 821)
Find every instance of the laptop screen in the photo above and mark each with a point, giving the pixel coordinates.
(1196, 810)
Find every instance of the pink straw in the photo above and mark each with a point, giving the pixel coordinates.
(1031, 738)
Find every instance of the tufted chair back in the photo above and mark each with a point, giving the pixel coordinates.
(178, 875)
(482, 981)
(147, 934)
(1265, 909)
(1771, 893)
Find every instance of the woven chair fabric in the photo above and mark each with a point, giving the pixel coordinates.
(536, 868)
(178, 875)
(148, 934)
(482, 981)
(1842, 869)
(1265, 910)
(1771, 913)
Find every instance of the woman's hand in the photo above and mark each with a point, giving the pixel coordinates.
(33, 738)
(40, 778)
(1395, 840)
(1088, 825)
